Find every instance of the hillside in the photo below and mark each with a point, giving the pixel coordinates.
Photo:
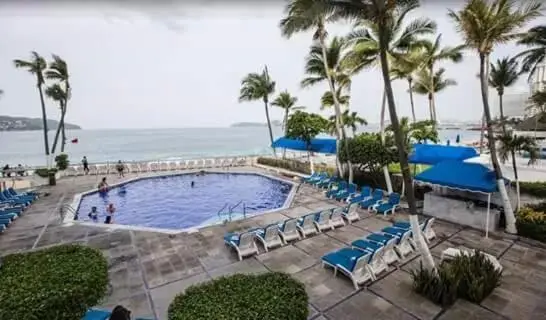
(274, 123)
(25, 124)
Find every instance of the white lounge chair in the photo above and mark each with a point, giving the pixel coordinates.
(208, 163)
(164, 166)
(336, 219)
(350, 213)
(425, 226)
(389, 255)
(403, 244)
(377, 262)
(351, 262)
(306, 225)
(269, 237)
(243, 243)
(288, 230)
(322, 220)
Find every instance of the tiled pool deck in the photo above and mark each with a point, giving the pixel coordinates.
(148, 269)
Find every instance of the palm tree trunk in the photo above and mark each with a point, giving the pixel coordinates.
(266, 104)
(427, 260)
(482, 133)
(431, 94)
(63, 136)
(285, 124)
(515, 168)
(411, 100)
(386, 174)
(59, 127)
(44, 123)
(501, 110)
(430, 107)
(508, 212)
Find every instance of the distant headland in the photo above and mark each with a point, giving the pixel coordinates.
(27, 124)
(274, 123)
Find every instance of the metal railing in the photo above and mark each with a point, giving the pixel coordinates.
(229, 212)
(66, 208)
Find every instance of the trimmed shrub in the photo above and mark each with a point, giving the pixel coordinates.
(59, 283)
(471, 277)
(269, 296)
(537, 189)
(531, 222)
(293, 165)
(61, 161)
(45, 172)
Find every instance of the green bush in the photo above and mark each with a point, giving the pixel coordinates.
(61, 161)
(270, 296)
(531, 221)
(58, 283)
(45, 172)
(293, 165)
(537, 189)
(471, 277)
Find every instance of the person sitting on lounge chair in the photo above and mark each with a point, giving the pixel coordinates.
(120, 313)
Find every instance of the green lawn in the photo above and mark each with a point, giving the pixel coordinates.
(395, 168)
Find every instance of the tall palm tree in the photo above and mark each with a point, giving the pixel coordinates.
(425, 84)
(509, 144)
(536, 39)
(382, 12)
(36, 66)
(259, 86)
(484, 24)
(432, 53)
(305, 15)
(56, 93)
(287, 102)
(352, 121)
(400, 36)
(327, 101)
(58, 71)
(537, 107)
(503, 74)
(335, 74)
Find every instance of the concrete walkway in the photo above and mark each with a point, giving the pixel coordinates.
(148, 269)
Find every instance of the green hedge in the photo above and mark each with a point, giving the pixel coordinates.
(44, 172)
(537, 189)
(531, 222)
(293, 165)
(61, 161)
(58, 283)
(471, 277)
(270, 296)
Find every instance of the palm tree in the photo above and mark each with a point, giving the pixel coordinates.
(399, 39)
(58, 71)
(327, 101)
(381, 13)
(432, 53)
(353, 121)
(305, 15)
(537, 107)
(504, 73)
(56, 93)
(484, 24)
(287, 102)
(259, 86)
(425, 84)
(405, 68)
(536, 39)
(36, 67)
(509, 144)
(340, 81)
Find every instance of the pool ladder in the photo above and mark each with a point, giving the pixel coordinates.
(229, 213)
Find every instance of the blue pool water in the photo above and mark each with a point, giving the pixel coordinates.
(170, 201)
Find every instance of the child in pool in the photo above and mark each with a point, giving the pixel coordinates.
(93, 215)
(110, 214)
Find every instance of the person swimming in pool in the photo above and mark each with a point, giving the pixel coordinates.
(192, 184)
(103, 185)
(110, 214)
(93, 214)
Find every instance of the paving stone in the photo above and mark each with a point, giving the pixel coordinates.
(445, 229)
(247, 266)
(415, 263)
(348, 234)
(372, 224)
(313, 313)
(397, 288)
(288, 259)
(469, 311)
(475, 239)
(296, 212)
(319, 245)
(321, 205)
(526, 255)
(164, 295)
(366, 305)
(324, 290)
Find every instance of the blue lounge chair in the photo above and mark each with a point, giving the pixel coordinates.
(242, 243)
(365, 193)
(326, 182)
(322, 220)
(336, 219)
(350, 213)
(389, 206)
(388, 243)
(10, 196)
(377, 196)
(288, 230)
(306, 225)
(269, 236)
(28, 193)
(343, 195)
(96, 314)
(403, 244)
(315, 177)
(377, 263)
(425, 226)
(351, 262)
(335, 188)
(13, 201)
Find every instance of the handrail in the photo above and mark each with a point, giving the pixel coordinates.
(220, 211)
(66, 208)
(235, 206)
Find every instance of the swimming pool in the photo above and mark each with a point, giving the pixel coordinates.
(170, 202)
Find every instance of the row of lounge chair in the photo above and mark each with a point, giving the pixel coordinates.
(279, 234)
(98, 314)
(12, 205)
(370, 256)
(135, 167)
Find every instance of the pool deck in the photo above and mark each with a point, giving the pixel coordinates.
(147, 269)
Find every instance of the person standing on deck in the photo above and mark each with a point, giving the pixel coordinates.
(85, 165)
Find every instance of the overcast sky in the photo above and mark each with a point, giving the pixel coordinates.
(180, 66)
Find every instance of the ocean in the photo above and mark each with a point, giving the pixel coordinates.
(27, 147)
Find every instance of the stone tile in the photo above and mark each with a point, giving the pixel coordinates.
(61, 234)
(288, 259)
(125, 280)
(296, 212)
(348, 234)
(170, 268)
(110, 240)
(247, 266)
(321, 205)
(217, 257)
(436, 251)
(463, 309)
(139, 305)
(526, 255)
(366, 305)
(415, 263)
(522, 294)
(319, 245)
(372, 224)
(164, 295)
(313, 313)
(306, 200)
(397, 288)
(475, 240)
(324, 290)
